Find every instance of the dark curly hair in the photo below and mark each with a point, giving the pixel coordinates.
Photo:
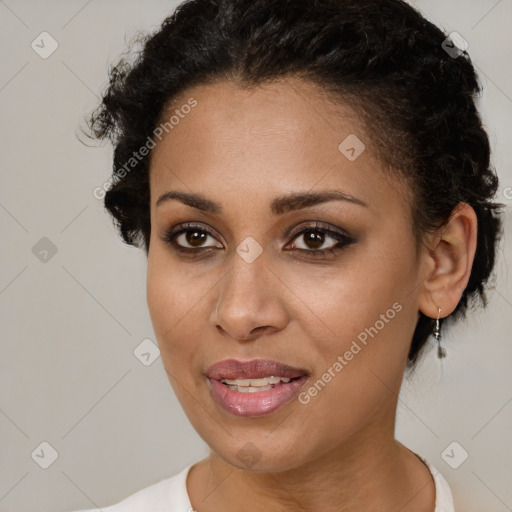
(382, 57)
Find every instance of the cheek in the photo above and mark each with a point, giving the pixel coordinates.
(335, 305)
(177, 304)
(360, 313)
(359, 375)
(161, 303)
(167, 303)
(167, 289)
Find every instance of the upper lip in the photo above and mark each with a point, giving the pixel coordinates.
(254, 369)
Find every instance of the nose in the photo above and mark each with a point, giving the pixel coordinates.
(250, 303)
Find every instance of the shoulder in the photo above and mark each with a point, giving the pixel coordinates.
(444, 497)
(168, 495)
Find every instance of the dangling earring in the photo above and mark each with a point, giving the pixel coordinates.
(441, 352)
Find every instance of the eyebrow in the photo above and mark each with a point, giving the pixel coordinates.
(278, 206)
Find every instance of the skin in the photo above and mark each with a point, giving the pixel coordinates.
(243, 148)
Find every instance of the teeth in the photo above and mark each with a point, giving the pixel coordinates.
(249, 389)
(252, 385)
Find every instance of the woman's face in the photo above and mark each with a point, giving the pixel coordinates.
(245, 283)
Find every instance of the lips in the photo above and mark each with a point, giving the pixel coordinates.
(255, 369)
(244, 399)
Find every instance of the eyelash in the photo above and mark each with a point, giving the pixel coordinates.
(343, 239)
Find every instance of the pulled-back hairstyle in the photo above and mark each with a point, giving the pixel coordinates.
(392, 66)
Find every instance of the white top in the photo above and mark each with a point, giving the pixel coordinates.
(170, 495)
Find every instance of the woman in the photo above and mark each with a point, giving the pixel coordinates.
(311, 184)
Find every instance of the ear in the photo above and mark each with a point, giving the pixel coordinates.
(449, 258)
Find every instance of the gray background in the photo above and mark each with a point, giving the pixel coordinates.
(70, 325)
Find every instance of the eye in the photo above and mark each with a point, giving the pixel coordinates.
(189, 237)
(316, 236)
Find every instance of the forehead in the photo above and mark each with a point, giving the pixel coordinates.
(277, 137)
(288, 112)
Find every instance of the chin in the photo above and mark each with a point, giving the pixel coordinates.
(261, 453)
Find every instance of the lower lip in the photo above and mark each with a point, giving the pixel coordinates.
(257, 403)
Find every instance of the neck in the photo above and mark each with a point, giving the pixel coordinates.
(369, 471)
